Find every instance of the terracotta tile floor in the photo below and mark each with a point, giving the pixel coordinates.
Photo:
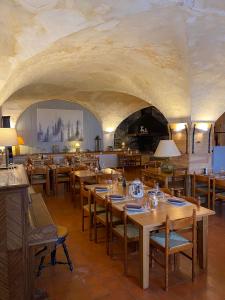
(98, 277)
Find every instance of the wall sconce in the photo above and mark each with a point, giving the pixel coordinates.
(178, 127)
(77, 147)
(109, 130)
(202, 126)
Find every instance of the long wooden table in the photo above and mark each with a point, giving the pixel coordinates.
(150, 221)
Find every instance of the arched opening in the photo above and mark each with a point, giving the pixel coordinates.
(219, 131)
(142, 130)
(29, 124)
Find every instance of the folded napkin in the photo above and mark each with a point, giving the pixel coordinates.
(101, 189)
(116, 197)
(131, 206)
(177, 202)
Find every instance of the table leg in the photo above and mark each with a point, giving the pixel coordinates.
(144, 257)
(202, 238)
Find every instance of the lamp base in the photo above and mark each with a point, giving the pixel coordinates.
(167, 167)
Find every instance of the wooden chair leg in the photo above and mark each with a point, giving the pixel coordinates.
(110, 240)
(166, 272)
(176, 261)
(107, 236)
(193, 264)
(47, 188)
(90, 226)
(82, 220)
(95, 230)
(125, 256)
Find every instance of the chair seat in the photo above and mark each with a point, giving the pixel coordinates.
(175, 240)
(132, 231)
(102, 218)
(99, 208)
(62, 231)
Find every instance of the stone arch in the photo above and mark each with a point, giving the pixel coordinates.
(142, 130)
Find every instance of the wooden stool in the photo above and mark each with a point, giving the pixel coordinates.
(62, 233)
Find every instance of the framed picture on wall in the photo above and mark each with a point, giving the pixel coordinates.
(59, 125)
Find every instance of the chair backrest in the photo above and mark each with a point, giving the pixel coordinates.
(85, 195)
(99, 200)
(80, 168)
(149, 182)
(219, 183)
(37, 162)
(63, 170)
(167, 190)
(153, 164)
(201, 178)
(39, 170)
(180, 225)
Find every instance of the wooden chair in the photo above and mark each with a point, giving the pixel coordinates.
(153, 164)
(37, 162)
(73, 185)
(126, 232)
(179, 180)
(40, 176)
(218, 190)
(105, 178)
(88, 209)
(120, 170)
(101, 220)
(149, 182)
(167, 191)
(62, 175)
(170, 242)
(201, 187)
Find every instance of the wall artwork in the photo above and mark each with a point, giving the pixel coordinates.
(59, 125)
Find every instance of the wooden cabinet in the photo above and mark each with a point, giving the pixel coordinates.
(14, 235)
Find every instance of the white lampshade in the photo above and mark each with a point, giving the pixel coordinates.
(167, 148)
(8, 137)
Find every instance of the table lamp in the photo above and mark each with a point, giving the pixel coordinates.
(8, 137)
(20, 143)
(167, 149)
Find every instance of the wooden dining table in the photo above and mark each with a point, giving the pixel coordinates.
(81, 175)
(154, 219)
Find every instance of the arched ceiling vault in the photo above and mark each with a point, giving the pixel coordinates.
(117, 106)
(168, 53)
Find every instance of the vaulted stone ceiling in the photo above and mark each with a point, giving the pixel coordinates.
(127, 54)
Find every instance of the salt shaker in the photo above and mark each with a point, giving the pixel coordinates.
(154, 201)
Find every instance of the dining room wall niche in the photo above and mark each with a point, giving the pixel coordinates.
(142, 130)
(85, 123)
